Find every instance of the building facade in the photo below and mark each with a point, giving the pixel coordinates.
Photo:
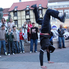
(22, 11)
(5, 13)
(62, 6)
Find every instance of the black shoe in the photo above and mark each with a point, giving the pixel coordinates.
(64, 47)
(34, 6)
(63, 18)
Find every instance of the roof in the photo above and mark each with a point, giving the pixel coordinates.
(56, 0)
(22, 5)
(6, 10)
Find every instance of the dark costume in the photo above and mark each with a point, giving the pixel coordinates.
(46, 27)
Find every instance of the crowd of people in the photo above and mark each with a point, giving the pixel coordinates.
(14, 38)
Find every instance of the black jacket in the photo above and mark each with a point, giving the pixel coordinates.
(61, 32)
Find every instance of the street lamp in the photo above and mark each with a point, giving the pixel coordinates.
(27, 13)
(40, 8)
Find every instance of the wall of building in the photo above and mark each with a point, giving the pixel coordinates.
(61, 6)
(22, 18)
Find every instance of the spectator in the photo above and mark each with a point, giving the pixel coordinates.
(21, 37)
(61, 37)
(29, 27)
(9, 37)
(16, 39)
(24, 29)
(2, 39)
(11, 24)
(3, 22)
(34, 37)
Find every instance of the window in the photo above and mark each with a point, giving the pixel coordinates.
(27, 12)
(16, 23)
(15, 13)
(67, 13)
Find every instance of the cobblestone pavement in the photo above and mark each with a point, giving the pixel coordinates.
(31, 61)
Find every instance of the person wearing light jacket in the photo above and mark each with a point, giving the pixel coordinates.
(16, 39)
(2, 39)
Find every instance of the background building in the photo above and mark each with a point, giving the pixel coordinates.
(62, 6)
(50, 1)
(5, 13)
(22, 11)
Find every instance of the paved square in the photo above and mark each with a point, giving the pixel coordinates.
(31, 61)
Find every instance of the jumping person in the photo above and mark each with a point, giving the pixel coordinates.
(45, 30)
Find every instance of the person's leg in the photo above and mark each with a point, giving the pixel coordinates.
(36, 13)
(14, 47)
(17, 46)
(63, 42)
(55, 14)
(22, 45)
(59, 40)
(41, 57)
(28, 36)
(31, 45)
(8, 47)
(48, 56)
(36, 45)
(46, 20)
(4, 47)
(0, 47)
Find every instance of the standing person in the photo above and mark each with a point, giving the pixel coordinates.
(24, 29)
(34, 37)
(21, 38)
(3, 22)
(16, 39)
(45, 30)
(61, 36)
(11, 24)
(2, 39)
(29, 27)
(9, 37)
